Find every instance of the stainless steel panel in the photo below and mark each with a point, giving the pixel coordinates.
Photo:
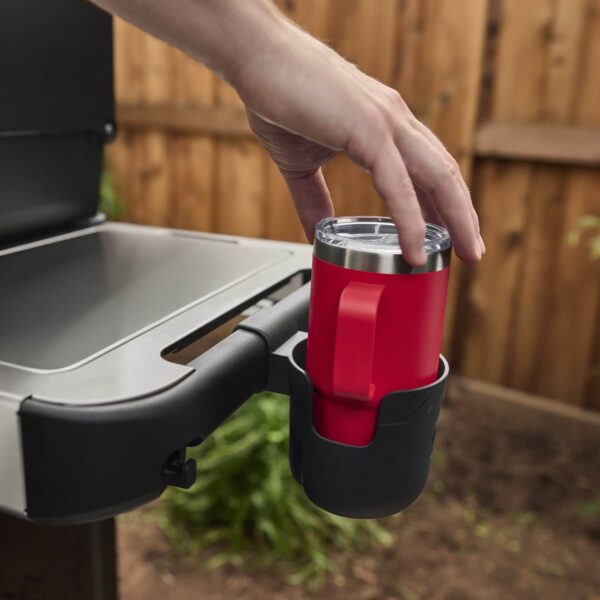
(92, 339)
(64, 302)
(12, 484)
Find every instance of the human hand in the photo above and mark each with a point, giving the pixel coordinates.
(305, 103)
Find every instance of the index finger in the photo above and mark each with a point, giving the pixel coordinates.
(441, 178)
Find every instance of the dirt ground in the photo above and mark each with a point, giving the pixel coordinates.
(509, 513)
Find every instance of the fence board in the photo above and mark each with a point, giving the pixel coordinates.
(241, 171)
(529, 323)
(189, 120)
(541, 143)
(281, 221)
(192, 157)
(548, 317)
(588, 112)
(503, 190)
(566, 351)
(193, 164)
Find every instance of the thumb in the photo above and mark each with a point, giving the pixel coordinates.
(311, 198)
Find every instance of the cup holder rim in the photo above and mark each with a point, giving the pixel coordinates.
(300, 347)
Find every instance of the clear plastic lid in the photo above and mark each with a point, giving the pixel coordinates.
(375, 234)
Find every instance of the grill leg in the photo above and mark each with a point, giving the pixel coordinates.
(57, 563)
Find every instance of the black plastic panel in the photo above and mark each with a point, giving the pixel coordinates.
(87, 463)
(47, 182)
(370, 481)
(56, 97)
(56, 72)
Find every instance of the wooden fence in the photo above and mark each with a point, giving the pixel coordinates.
(513, 90)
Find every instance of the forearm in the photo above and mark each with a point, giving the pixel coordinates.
(222, 34)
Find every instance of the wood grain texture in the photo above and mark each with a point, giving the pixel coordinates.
(489, 303)
(535, 321)
(191, 120)
(539, 142)
(566, 352)
(528, 326)
(241, 165)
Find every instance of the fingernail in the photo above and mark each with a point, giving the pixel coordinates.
(481, 243)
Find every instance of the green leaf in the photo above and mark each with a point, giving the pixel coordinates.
(110, 205)
(246, 497)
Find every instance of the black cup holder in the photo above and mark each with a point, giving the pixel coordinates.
(370, 481)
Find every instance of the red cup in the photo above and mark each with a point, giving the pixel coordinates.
(375, 322)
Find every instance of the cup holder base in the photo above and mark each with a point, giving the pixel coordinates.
(370, 481)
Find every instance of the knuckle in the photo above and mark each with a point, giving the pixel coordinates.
(412, 121)
(380, 122)
(375, 122)
(394, 97)
(400, 118)
(444, 174)
(367, 140)
(453, 169)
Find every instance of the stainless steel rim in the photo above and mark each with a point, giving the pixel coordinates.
(374, 261)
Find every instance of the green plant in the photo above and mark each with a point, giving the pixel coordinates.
(110, 204)
(586, 223)
(589, 509)
(246, 503)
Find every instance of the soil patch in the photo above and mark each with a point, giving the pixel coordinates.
(508, 513)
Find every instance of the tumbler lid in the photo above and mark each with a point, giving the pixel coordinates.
(371, 244)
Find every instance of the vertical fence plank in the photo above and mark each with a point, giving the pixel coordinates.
(192, 157)
(363, 33)
(588, 112)
(522, 41)
(193, 161)
(122, 158)
(567, 348)
(541, 248)
(281, 220)
(241, 169)
(564, 59)
(156, 198)
(503, 193)
(546, 350)
(240, 199)
(454, 92)
(450, 77)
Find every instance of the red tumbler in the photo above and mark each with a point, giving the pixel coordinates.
(375, 322)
